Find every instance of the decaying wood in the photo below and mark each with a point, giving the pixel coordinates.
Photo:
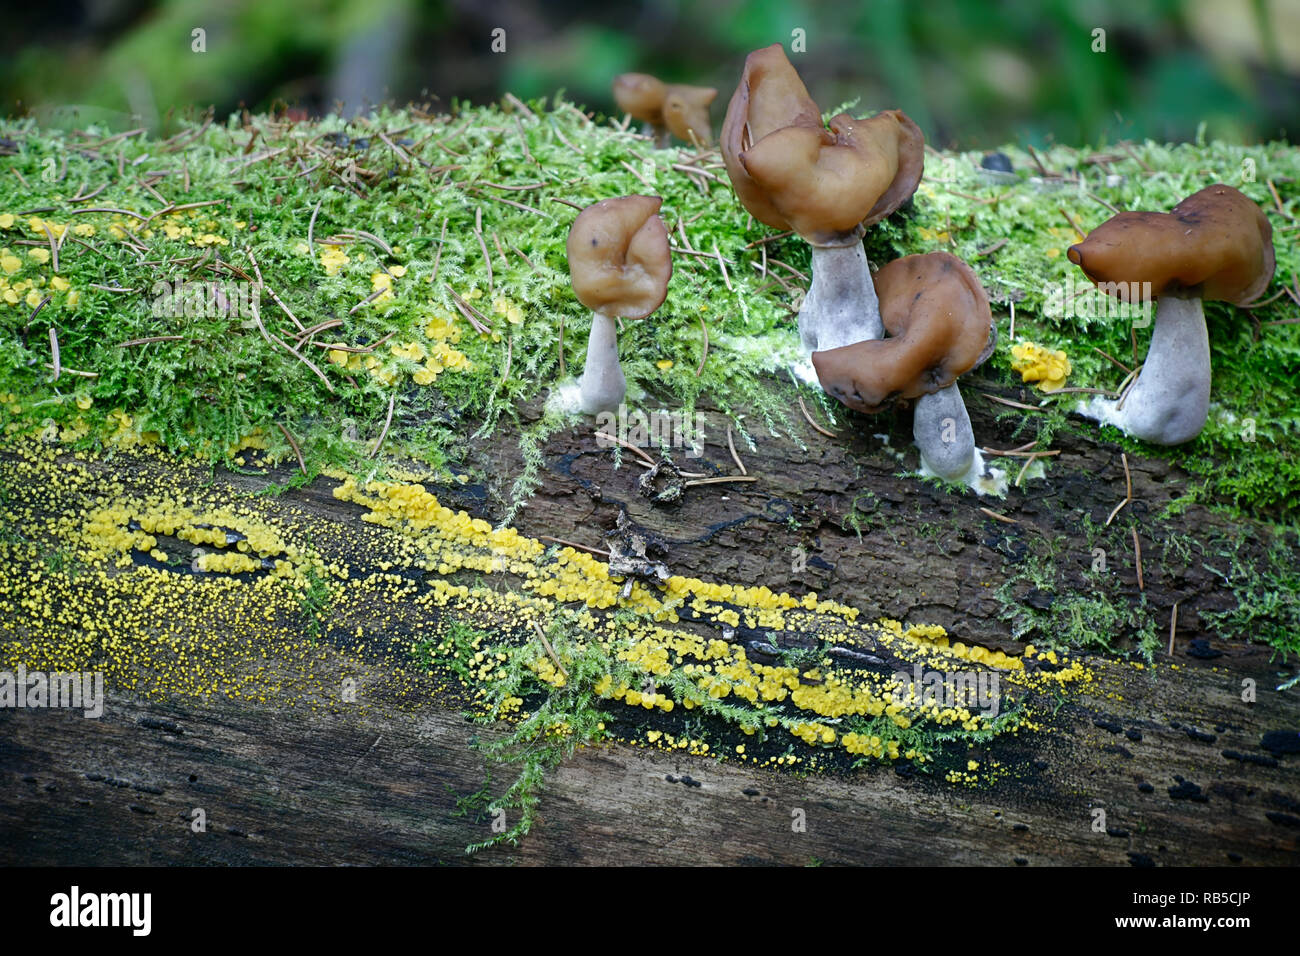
(375, 785)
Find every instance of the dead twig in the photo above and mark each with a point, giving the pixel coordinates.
(388, 420)
(1107, 355)
(804, 408)
(520, 105)
(573, 544)
(1019, 453)
(628, 445)
(54, 247)
(1277, 200)
(472, 315)
(510, 354)
(527, 261)
(1079, 388)
(311, 230)
(319, 327)
(487, 257)
(1127, 386)
(997, 517)
(88, 196)
(54, 352)
(731, 446)
(1092, 195)
(272, 340)
(442, 241)
(1006, 401)
(1073, 225)
(1025, 467)
(705, 354)
(302, 465)
(371, 238)
(1128, 484)
(153, 338)
(1134, 156)
(510, 202)
(767, 239)
(367, 300)
(550, 651)
(789, 268)
(717, 481)
(563, 370)
(108, 209)
(1137, 557)
(72, 371)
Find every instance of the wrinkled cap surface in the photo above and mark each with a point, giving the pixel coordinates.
(791, 172)
(686, 112)
(640, 95)
(619, 260)
(939, 326)
(1216, 244)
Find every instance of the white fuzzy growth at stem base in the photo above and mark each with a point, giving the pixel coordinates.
(1170, 400)
(603, 386)
(841, 307)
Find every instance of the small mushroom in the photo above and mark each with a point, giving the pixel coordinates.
(686, 112)
(667, 108)
(620, 266)
(1215, 245)
(828, 185)
(940, 327)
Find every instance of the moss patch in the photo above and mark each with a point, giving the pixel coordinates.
(473, 203)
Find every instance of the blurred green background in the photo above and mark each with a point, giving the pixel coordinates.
(972, 73)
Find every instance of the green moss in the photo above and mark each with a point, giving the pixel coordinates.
(223, 378)
(1266, 592)
(1052, 603)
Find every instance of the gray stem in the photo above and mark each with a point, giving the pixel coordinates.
(943, 432)
(841, 307)
(1170, 400)
(603, 386)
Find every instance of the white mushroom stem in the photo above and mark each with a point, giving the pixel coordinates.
(943, 433)
(662, 136)
(841, 307)
(941, 427)
(1170, 400)
(603, 386)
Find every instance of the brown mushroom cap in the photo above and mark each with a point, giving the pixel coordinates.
(1216, 244)
(686, 111)
(769, 97)
(641, 96)
(618, 256)
(911, 164)
(940, 326)
(791, 172)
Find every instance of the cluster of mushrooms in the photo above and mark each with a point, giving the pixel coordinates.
(908, 332)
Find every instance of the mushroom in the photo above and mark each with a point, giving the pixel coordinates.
(620, 266)
(667, 108)
(1215, 245)
(940, 326)
(827, 185)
